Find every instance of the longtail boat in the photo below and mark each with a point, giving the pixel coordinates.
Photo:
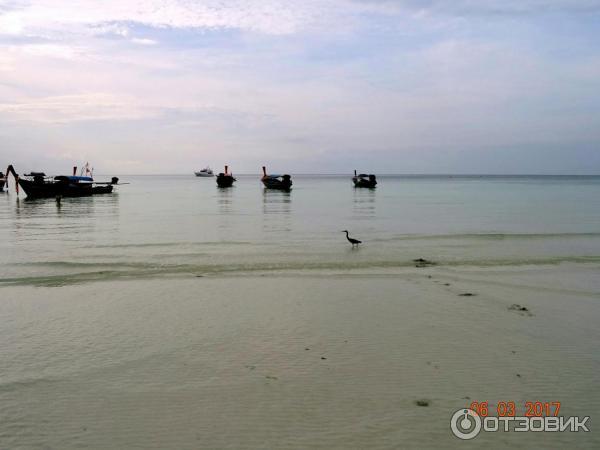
(38, 185)
(272, 181)
(225, 179)
(364, 181)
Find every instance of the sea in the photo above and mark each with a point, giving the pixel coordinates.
(172, 314)
(164, 225)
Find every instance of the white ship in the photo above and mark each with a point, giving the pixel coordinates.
(206, 172)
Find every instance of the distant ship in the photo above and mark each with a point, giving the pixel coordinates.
(206, 172)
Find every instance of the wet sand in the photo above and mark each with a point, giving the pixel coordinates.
(298, 360)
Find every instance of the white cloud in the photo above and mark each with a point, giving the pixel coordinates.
(487, 7)
(81, 107)
(265, 16)
(6, 63)
(144, 41)
(55, 18)
(59, 51)
(302, 79)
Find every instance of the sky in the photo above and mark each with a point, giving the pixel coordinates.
(311, 86)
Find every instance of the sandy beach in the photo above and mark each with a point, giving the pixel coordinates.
(299, 225)
(305, 360)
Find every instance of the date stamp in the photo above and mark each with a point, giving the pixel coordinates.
(509, 416)
(509, 409)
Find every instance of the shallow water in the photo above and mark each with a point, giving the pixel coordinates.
(173, 314)
(327, 362)
(172, 225)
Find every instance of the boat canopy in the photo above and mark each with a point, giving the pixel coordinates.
(74, 178)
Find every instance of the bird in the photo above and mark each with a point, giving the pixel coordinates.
(352, 241)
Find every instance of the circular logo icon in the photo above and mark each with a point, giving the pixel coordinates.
(465, 424)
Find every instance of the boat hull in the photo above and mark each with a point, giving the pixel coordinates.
(281, 185)
(35, 189)
(364, 183)
(225, 181)
(204, 174)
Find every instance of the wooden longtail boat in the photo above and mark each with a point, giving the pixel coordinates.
(364, 181)
(38, 185)
(225, 179)
(281, 182)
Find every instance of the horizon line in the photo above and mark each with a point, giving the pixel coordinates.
(424, 174)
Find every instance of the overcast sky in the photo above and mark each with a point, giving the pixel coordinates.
(396, 86)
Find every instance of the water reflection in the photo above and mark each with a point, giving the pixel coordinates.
(277, 208)
(70, 207)
(225, 203)
(225, 200)
(70, 219)
(364, 206)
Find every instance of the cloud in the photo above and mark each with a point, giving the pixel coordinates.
(56, 18)
(144, 41)
(403, 82)
(68, 108)
(45, 17)
(59, 51)
(487, 7)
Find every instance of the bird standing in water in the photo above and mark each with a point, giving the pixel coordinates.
(352, 241)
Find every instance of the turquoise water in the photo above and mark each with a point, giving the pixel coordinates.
(183, 225)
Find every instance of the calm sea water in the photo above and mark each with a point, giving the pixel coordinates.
(173, 225)
(173, 314)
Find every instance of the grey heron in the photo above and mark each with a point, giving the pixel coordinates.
(351, 240)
